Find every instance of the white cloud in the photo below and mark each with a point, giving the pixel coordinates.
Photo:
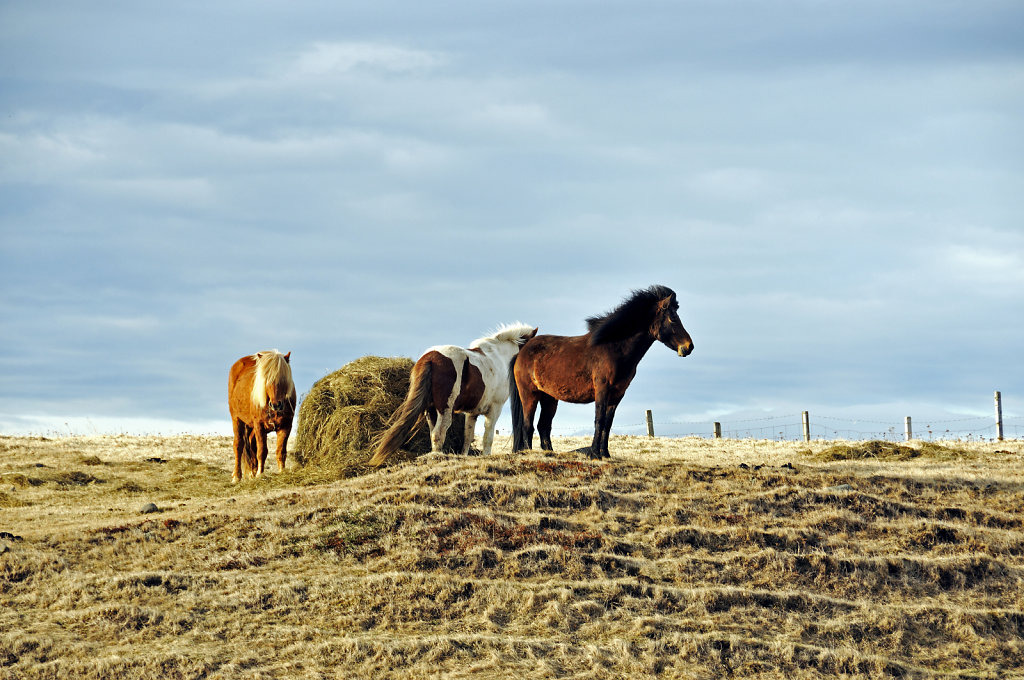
(43, 154)
(734, 183)
(191, 191)
(523, 116)
(998, 269)
(102, 323)
(326, 59)
(77, 424)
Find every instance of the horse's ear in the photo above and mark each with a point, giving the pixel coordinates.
(533, 333)
(288, 357)
(667, 303)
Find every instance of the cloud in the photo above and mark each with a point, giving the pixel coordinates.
(734, 183)
(531, 117)
(998, 271)
(344, 181)
(75, 424)
(331, 59)
(191, 191)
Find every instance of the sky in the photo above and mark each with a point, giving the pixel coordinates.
(834, 191)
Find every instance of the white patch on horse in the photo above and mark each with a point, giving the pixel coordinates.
(492, 356)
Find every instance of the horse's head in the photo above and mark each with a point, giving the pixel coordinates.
(280, 399)
(668, 329)
(276, 380)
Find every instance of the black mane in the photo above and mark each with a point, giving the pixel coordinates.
(632, 316)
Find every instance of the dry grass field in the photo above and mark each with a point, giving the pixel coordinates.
(680, 558)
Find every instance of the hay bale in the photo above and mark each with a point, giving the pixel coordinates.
(346, 409)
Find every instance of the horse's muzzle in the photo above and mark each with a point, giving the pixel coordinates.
(684, 350)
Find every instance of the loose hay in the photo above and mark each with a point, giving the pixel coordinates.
(882, 450)
(346, 409)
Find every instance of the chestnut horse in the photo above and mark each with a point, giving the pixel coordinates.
(595, 367)
(261, 398)
(448, 379)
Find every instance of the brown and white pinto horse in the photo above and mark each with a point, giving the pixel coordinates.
(448, 379)
(261, 398)
(595, 367)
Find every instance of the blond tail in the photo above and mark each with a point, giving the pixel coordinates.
(404, 420)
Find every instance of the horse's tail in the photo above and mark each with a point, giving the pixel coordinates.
(405, 419)
(516, 406)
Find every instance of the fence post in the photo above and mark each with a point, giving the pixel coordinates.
(807, 427)
(718, 430)
(650, 423)
(908, 430)
(999, 416)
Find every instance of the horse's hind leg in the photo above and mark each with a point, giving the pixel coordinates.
(548, 406)
(241, 444)
(467, 440)
(439, 430)
(282, 447)
(529, 410)
(490, 419)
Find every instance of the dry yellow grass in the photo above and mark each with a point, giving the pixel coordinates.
(677, 558)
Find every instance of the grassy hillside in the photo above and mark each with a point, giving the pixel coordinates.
(678, 558)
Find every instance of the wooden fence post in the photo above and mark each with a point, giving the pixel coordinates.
(718, 430)
(807, 426)
(650, 423)
(908, 431)
(999, 416)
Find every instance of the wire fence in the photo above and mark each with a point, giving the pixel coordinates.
(790, 427)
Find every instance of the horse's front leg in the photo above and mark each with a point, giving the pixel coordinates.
(595, 445)
(261, 449)
(282, 446)
(609, 415)
(604, 411)
(470, 433)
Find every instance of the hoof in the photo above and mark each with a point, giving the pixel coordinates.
(588, 451)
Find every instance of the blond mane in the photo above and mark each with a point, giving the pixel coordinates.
(271, 369)
(512, 332)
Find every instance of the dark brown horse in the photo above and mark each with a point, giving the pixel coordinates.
(595, 367)
(261, 398)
